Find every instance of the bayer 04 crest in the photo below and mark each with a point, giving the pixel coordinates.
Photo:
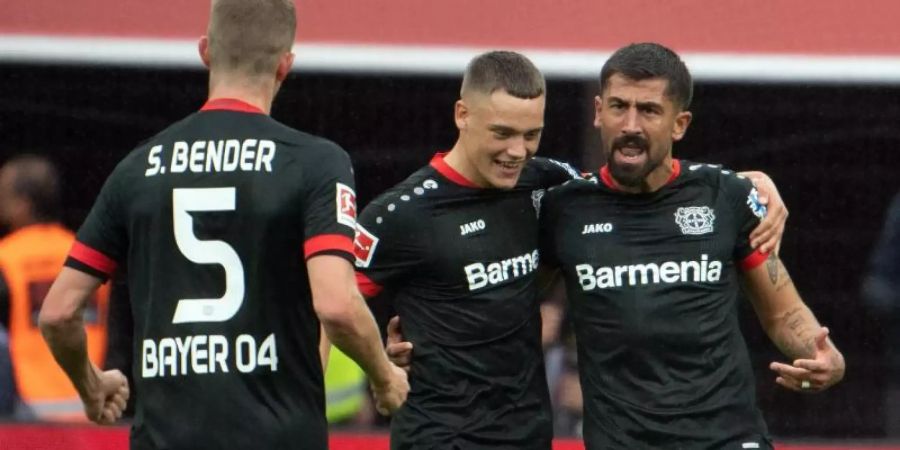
(695, 219)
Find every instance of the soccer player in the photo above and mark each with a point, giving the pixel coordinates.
(455, 244)
(653, 251)
(237, 234)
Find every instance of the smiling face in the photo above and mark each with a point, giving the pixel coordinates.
(638, 124)
(499, 133)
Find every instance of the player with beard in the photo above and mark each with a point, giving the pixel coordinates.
(653, 251)
(455, 244)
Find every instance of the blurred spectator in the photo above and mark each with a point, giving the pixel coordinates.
(881, 291)
(31, 256)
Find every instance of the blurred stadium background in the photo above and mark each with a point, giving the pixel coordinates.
(808, 92)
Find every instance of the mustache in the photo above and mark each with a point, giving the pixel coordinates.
(631, 140)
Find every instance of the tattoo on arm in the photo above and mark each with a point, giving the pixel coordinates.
(772, 267)
(798, 339)
(778, 275)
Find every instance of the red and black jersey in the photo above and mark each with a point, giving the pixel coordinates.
(215, 217)
(460, 264)
(652, 280)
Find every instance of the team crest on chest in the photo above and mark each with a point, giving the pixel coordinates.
(695, 219)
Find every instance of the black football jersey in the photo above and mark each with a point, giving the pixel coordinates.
(460, 264)
(652, 280)
(215, 217)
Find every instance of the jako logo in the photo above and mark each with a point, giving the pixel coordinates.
(471, 227)
(669, 272)
(592, 228)
(480, 275)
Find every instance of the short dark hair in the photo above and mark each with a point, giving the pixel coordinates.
(34, 178)
(651, 60)
(249, 36)
(509, 71)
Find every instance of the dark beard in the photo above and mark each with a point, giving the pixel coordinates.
(631, 176)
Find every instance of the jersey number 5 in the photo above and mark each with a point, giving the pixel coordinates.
(207, 252)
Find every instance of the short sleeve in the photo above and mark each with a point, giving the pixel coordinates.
(330, 204)
(102, 240)
(391, 243)
(748, 211)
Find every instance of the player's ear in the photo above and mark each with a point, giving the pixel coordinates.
(682, 121)
(203, 49)
(284, 66)
(461, 114)
(598, 106)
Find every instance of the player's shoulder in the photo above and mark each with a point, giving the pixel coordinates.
(587, 183)
(553, 166)
(307, 144)
(546, 172)
(406, 199)
(715, 176)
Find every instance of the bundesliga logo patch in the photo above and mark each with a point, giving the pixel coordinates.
(758, 209)
(364, 246)
(695, 219)
(346, 205)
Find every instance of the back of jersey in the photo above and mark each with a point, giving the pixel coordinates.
(214, 218)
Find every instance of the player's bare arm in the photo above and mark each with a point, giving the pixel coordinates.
(324, 348)
(817, 363)
(351, 327)
(104, 393)
(767, 235)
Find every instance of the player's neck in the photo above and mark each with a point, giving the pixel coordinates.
(258, 94)
(456, 159)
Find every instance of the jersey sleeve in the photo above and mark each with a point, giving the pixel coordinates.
(330, 204)
(547, 220)
(554, 172)
(391, 242)
(102, 240)
(748, 212)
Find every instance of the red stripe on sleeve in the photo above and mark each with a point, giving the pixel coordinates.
(92, 258)
(368, 287)
(753, 260)
(325, 242)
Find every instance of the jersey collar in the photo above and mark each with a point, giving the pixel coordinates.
(230, 104)
(438, 163)
(608, 180)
